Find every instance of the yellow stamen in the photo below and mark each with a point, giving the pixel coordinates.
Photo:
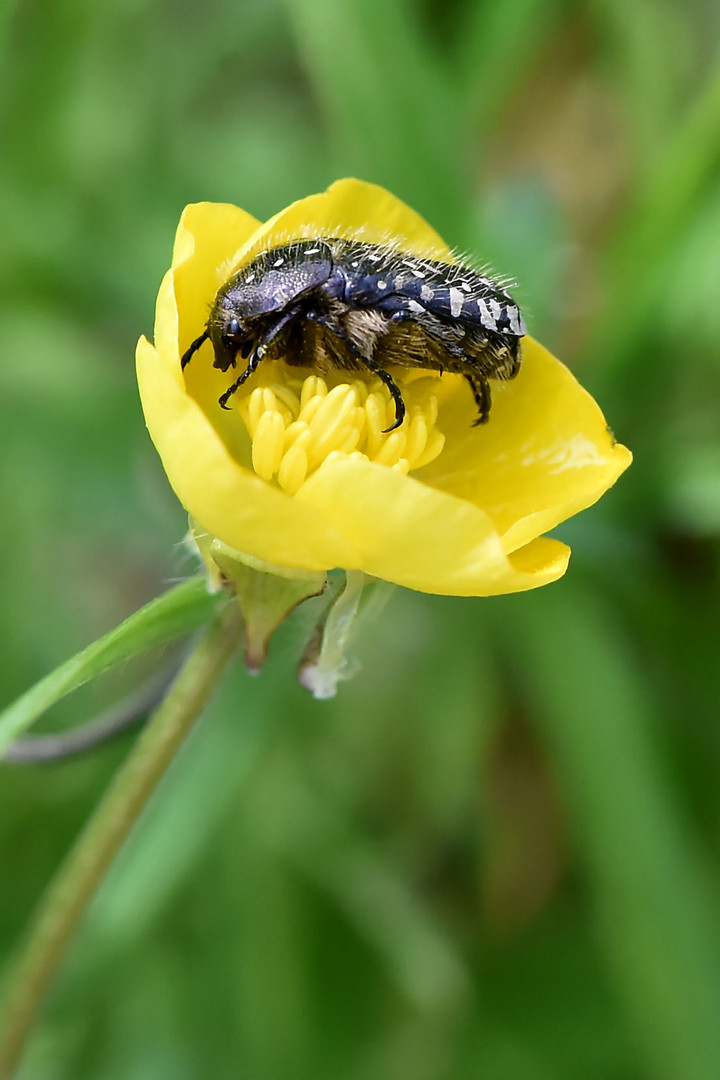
(267, 448)
(299, 425)
(435, 443)
(417, 434)
(293, 469)
(392, 449)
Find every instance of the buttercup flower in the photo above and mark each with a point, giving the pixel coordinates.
(300, 472)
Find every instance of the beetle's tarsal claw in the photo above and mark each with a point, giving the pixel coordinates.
(397, 424)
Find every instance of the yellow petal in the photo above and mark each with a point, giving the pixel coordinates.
(207, 235)
(424, 539)
(353, 209)
(545, 453)
(230, 502)
(166, 327)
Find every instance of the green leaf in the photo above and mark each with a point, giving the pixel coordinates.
(389, 102)
(636, 261)
(654, 913)
(496, 44)
(179, 611)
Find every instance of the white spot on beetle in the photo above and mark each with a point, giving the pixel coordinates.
(464, 285)
(415, 307)
(426, 293)
(382, 284)
(250, 277)
(456, 302)
(279, 262)
(514, 319)
(495, 309)
(487, 318)
(312, 251)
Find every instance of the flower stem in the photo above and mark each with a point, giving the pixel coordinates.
(76, 882)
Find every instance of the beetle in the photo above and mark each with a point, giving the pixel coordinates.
(328, 302)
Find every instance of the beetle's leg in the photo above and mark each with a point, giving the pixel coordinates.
(434, 328)
(481, 392)
(367, 361)
(478, 383)
(257, 355)
(252, 365)
(397, 397)
(193, 348)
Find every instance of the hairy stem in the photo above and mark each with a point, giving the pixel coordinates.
(79, 877)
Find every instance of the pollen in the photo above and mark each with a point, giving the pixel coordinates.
(295, 426)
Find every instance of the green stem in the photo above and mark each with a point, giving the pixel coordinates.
(78, 879)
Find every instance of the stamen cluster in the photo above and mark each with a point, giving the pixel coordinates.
(295, 425)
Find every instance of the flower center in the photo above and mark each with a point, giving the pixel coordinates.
(297, 424)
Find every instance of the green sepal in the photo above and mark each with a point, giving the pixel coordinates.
(325, 662)
(266, 593)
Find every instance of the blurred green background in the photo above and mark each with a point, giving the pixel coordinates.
(495, 854)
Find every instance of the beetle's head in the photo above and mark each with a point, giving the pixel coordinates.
(228, 332)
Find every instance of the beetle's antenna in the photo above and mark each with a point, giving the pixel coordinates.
(193, 348)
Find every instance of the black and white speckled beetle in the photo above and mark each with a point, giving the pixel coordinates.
(331, 303)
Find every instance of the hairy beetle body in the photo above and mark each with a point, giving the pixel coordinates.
(351, 305)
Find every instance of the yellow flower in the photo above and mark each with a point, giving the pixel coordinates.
(300, 473)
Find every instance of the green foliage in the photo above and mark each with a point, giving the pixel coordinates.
(495, 852)
(177, 613)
